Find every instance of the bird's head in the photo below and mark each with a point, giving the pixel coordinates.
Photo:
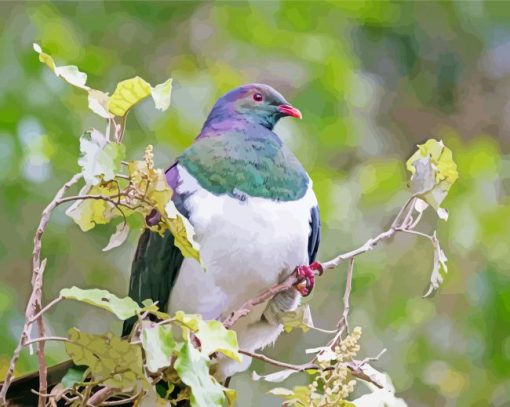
(257, 103)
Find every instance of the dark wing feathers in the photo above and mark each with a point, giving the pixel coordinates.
(315, 234)
(154, 270)
(157, 261)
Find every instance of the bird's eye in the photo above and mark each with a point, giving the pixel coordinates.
(257, 97)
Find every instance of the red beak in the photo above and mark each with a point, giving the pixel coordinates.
(289, 110)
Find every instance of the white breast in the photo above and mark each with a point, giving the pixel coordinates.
(247, 246)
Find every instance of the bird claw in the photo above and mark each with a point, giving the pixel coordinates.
(306, 276)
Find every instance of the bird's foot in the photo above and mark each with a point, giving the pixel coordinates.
(306, 276)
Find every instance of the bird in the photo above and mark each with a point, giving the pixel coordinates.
(255, 217)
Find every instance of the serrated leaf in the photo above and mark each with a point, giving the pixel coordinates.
(439, 266)
(161, 95)
(299, 318)
(87, 213)
(193, 369)
(159, 345)
(433, 172)
(118, 237)
(183, 232)
(123, 308)
(69, 73)
(73, 375)
(276, 377)
(127, 94)
(100, 159)
(113, 361)
(214, 337)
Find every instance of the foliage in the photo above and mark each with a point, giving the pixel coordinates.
(371, 79)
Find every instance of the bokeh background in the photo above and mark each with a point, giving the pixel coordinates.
(372, 79)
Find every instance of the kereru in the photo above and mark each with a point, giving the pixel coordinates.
(255, 216)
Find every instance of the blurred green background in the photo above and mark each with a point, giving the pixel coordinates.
(372, 79)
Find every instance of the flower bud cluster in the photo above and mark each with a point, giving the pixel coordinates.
(334, 383)
(149, 156)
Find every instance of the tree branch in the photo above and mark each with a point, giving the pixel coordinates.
(34, 305)
(292, 279)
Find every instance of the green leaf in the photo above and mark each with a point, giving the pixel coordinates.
(300, 318)
(119, 237)
(159, 345)
(69, 73)
(73, 375)
(433, 172)
(214, 337)
(127, 94)
(161, 95)
(193, 369)
(100, 159)
(113, 361)
(123, 308)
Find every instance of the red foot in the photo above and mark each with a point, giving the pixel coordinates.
(306, 275)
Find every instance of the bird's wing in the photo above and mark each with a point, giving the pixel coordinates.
(315, 234)
(157, 261)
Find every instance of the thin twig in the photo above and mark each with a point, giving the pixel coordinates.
(354, 366)
(34, 303)
(45, 339)
(343, 324)
(102, 395)
(121, 402)
(292, 279)
(45, 309)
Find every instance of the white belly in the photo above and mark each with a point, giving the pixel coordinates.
(246, 246)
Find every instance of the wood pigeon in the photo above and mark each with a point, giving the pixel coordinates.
(255, 217)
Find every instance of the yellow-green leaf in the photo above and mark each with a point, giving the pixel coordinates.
(127, 94)
(87, 213)
(161, 95)
(433, 172)
(214, 337)
(123, 308)
(183, 232)
(300, 318)
(113, 361)
(98, 103)
(69, 73)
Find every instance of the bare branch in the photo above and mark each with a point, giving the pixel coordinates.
(396, 226)
(45, 309)
(45, 339)
(34, 306)
(356, 367)
(102, 395)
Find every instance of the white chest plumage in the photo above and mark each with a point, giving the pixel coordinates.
(247, 246)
